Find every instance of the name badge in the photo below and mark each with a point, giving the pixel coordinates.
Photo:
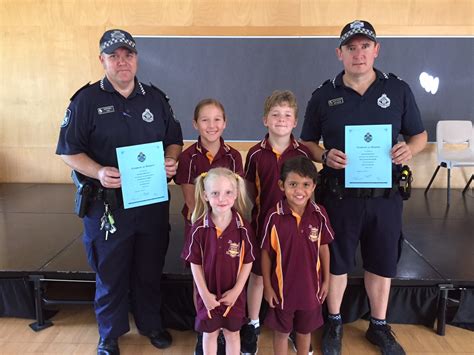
(105, 109)
(336, 101)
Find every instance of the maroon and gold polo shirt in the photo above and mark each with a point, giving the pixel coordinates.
(221, 254)
(293, 244)
(262, 168)
(196, 160)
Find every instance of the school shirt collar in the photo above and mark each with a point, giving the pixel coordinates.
(223, 148)
(235, 222)
(284, 209)
(265, 143)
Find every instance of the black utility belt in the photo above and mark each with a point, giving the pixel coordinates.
(89, 191)
(342, 192)
(332, 185)
(366, 192)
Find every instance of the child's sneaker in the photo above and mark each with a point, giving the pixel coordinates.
(248, 339)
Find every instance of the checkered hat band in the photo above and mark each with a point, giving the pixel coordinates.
(107, 44)
(354, 31)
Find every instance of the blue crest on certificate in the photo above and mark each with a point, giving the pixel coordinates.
(369, 164)
(143, 174)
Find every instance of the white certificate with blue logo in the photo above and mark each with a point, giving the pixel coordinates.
(369, 162)
(143, 174)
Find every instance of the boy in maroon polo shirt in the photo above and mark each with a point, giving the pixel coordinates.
(221, 252)
(295, 258)
(208, 152)
(262, 170)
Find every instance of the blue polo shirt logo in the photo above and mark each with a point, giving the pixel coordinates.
(147, 116)
(383, 101)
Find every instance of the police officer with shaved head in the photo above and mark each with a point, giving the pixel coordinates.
(362, 95)
(129, 253)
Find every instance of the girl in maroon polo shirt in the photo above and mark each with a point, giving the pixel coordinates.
(221, 251)
(210, 151)
(295, 258)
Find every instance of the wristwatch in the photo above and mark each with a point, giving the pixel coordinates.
(324, 157)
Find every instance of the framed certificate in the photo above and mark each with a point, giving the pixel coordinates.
(369, 163)
(143, 174)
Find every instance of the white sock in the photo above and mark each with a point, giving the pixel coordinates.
(255, 322)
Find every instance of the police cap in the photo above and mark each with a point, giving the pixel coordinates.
(113, 39)
(357, 27)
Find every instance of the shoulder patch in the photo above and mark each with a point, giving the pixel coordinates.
(320, 86)
(78, 91)
(395, 76)
(66, 118)
(160, 91)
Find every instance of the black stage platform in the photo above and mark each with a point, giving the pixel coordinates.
(40, 244)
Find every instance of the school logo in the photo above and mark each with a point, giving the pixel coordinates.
(66, 119)
(383, 101)
(368, 137)
(234, 249)
(313, 233)
(141, 157)
(147, 116)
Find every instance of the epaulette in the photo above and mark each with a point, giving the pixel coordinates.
(160, 91)
(395, 76)
(320, 86)
(167, 100)
(78, 91)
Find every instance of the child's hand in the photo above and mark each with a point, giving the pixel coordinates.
(270, 296)
(229, 297)
(323, 291)
(210, 301)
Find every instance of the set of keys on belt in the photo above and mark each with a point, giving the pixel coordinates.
(107, 222)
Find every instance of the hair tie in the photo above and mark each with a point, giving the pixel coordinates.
(203, 175)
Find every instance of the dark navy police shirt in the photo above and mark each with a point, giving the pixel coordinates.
(332, 106)
(99, 119)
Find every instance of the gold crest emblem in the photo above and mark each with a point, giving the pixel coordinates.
(234, 249)
(313, 234)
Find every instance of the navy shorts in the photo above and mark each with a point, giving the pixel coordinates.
(302, 321)
(374, 222)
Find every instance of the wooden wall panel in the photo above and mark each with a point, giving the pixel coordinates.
(50, 49)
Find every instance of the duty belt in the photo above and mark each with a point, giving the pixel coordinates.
(363, 193)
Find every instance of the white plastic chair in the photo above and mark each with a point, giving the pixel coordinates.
(453, 132)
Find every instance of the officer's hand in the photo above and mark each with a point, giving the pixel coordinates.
(109, 177)
(171, 166)
(401, 152)
(336, 159)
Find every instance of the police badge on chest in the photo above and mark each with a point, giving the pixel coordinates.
(147, 116)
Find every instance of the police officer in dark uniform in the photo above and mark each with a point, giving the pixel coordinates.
(361, 95)
(120, 111)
